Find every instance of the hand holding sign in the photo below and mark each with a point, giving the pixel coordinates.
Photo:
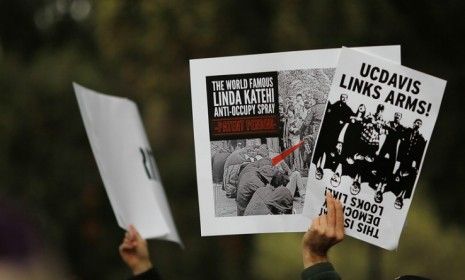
(326, 231)
(134, 251)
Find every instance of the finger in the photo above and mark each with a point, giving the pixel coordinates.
(128, 242)
(126, 238)
(135, 233)
(318, 221)
(315, 223)
(130, 234)
(131, 229)
(339, 220)
(330, 203)
(126, 246)
(322, 222)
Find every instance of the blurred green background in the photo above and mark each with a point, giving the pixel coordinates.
(140, 50)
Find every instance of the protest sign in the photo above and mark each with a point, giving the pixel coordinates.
(256, 118)
(376, 127)
(126, 164)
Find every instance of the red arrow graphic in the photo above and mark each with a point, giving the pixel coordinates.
(277, 159)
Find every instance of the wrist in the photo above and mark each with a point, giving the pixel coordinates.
(310, 258)
(141, 267)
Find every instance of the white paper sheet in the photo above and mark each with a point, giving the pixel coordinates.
(217, 212)
(371, 160)
(126, 164)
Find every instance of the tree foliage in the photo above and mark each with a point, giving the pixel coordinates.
(140, 49)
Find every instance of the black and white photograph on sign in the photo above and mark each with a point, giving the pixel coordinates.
(376, 127)
(376, 150)
(256, 120)
(246, 180)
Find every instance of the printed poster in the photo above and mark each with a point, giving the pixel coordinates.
(377, 125)
(256, 120)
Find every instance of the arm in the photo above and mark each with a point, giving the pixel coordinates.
(134, 252)
(325, 231)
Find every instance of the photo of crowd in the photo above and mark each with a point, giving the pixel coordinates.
(245, 181)
(385, 154)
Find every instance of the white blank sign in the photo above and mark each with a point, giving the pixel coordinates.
(126, 163)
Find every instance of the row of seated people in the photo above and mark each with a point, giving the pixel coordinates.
(258, 186)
